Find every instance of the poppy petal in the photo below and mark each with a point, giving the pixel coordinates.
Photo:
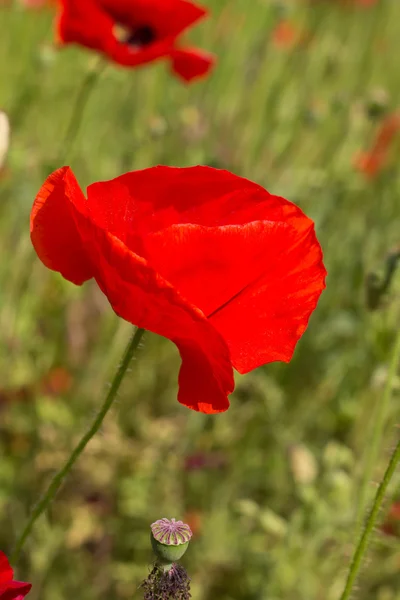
(6, 572)
(211, 265)
(271, 314)
(168, 17)
(141, 296)
(53, 226)
(177, 218)
(155, 198)
(85, 23)
(191, 63)
(131, 56)
(14, 590)
(81, 248)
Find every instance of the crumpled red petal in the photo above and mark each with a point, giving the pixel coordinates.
(139, 295)
(272, 312)
(249, 260)
(53, 227)
(134, 289)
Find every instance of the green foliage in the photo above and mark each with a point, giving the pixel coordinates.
(274, 504)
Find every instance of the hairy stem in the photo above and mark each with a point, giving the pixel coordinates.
(371, 521)
(58, 479)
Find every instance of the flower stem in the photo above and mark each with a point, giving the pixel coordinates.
(369, 527)
(79, 107)
(60, 476)
(377, 434)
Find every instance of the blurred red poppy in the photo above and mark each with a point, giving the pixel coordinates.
(288, 35)
(136, 32)
(372, 162)
(391, 524)
(10, 589)
(365, 2)
(38, 3)
(285, 35)
(212, 261)
(205, 460)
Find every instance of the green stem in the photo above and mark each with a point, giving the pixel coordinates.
(378, 431)
(60, 476)
(79, 107)
(371, 521)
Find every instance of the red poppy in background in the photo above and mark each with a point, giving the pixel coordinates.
(10, 589)
(136, 32)
(365, 2)
(212, 261)
(391, 524)
(285, 34)
(288, 35)
(37, 3)
(372, 162)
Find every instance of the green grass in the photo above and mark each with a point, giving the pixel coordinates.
(277, 504)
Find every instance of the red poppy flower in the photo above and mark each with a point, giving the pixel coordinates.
(212, 261)
(136, 32)
(10, 589)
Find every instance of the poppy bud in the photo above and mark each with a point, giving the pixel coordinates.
(170, 540)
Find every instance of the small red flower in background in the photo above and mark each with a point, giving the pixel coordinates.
(205, 460)
(391, 525)
(37, 3)
(372, 162)
(194, 519)
(287, 35)
(365, 2)
(136, 32)
(212, 261)
(10, 589)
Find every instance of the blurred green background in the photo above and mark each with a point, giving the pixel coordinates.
(273, 488)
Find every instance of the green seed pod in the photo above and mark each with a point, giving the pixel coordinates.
(169, 539)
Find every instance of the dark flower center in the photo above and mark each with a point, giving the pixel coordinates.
(142, 36)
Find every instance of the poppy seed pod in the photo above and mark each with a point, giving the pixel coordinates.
(170, 540)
